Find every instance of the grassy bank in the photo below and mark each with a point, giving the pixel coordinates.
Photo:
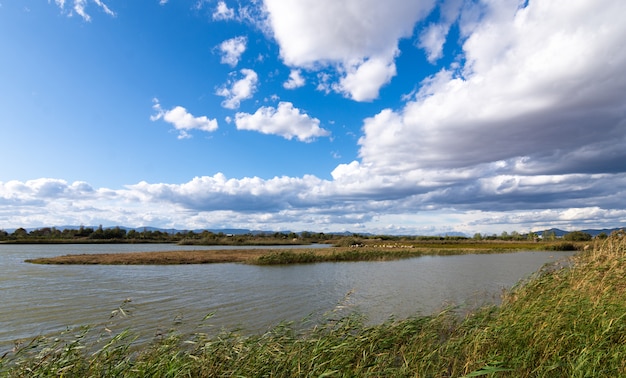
(563, 322)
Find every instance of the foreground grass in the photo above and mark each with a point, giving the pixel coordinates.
(563, 322)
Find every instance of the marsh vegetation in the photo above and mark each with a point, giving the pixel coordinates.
(346, 249)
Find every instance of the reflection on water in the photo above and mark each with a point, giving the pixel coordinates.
(39, 299)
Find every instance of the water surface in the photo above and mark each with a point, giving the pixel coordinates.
(42, 299)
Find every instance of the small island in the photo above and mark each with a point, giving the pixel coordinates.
(359, 250)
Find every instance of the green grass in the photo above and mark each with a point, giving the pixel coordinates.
(355, 254)
(562, 322)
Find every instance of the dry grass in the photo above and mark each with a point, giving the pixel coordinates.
(157, 258)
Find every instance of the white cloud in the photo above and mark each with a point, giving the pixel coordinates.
(432, 40)
(542, 83)
(434, 36)
(79, 8)
(346, 35)
(223, 12)
(363, 80)
(182, 120)
(354, 197)
(43, 188)
(324, 82)
(232, 49)
(239, 90)
(285, 121)
(295, 80)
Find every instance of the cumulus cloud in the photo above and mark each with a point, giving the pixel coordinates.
(541, 87)
(236, 91)
(49, 202)
(295, 80)
(211, 193)
(285, 121)
(182, 120)
(231, 50)
(43, 188)
(363, 80)
(357, 37)
(223, 12)
(79, 7)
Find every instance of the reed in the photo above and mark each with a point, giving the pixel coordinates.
(567, 320)
(335, 255)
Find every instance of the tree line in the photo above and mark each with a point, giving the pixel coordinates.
(118, 234)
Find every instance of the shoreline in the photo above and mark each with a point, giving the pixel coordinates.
(269, 256)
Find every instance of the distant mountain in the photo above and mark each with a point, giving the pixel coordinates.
(607, 231)
(233, 231)
(241, 231)
(558, 233)
(453, 233)
(592, 232)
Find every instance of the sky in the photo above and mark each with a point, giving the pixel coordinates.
(416, 117)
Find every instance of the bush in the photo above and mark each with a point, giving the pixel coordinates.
(577, 236)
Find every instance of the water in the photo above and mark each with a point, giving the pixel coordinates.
(43, 299)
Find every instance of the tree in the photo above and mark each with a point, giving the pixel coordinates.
(84, 231)
(602, 236)
(114, 233)
(548, 235)
(20, 233)
(98, 233)
(132, 234)
(577, 236)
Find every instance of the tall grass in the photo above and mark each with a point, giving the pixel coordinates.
(564, 322)
(568, 320)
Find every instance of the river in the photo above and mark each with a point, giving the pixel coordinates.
(44, 299)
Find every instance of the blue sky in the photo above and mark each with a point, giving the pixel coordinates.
(396, 117)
